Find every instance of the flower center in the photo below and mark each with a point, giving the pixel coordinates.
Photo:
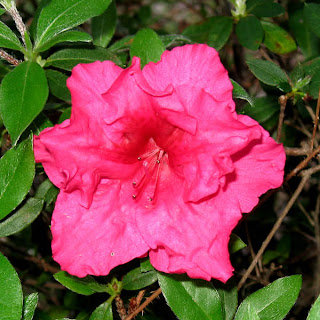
(147, 178)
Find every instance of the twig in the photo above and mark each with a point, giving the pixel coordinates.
(316, 120)
(6, 56)
(121, 308)
(304, 211)
(274, 229)
(301, 165)
(283, 102)
(148, 301)
(253, 255)
(296, 151)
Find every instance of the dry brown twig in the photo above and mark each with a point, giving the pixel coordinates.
(316, 120)
(306, 174)
(143, 305)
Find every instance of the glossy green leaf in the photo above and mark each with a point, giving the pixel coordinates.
(103, 27)
(229, 299)
(235, 243)
(248, 313)
(29, 306)
(215, 31)
(145, 265)
(312, 16)
(264, 8)
(277, 39)
(24, 90)
(57, 84)
(239, 93)
(219, 32)
(268, 72)
(190, 299)
(122, 44)
(66, 114)
(11, 298)
(147, 46)
(272, 302)
(85, 286)
(314, 313)
(40, 123)
(103, 312)
(249, 32)
(66, 59)
(67, 36)
(60, 15)
(307, 41)
(22, 218)
(8, 39)
(265, 111)
(16, 172)
(47, 192)
(170, 40)
(136, 280)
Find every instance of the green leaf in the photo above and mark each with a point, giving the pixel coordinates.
(249, 313)
(85, 286)
(312, 15)
(215, 31)
(57, 84)
(249, 32)
(66, 114)
(29, 306)
(103, 27)
(60, 15)
(136, 280)
(229, 299)
(306, 40)
(8, 39)
(16, 172)
(239, 93)
(147, 46)
(277, 39)
(274, 301)
(11, 298)
(145, 265)
(103, 312)
(24, 90)
(190, 299)
(219, 32)
(66, 59)
(314, 86)
(314, 313)
(22, 218)
(264, 8)
(122, 44)
(40, 123)
(268, 72)
(47, 192)
(170, 40)
(265, 111)
(67, 36)
(235, 243)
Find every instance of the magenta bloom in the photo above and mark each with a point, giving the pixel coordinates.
(154, 161)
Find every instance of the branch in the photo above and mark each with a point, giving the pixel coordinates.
(148, 301)
(306, 174)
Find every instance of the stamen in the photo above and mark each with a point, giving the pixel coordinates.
(151, 167)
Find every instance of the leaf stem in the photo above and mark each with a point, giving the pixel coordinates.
(6, 56)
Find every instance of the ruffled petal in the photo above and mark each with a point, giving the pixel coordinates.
(95, 240)
(258, 168)
(194, 66)
(191, 238)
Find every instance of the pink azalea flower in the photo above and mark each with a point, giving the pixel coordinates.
(154, 161)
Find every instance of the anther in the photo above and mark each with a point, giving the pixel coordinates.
(134, 196)
(139, 158)
(134, 183)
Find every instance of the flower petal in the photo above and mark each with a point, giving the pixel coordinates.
(194, 66)
(258, 168)
(95, 240)
(187, 237)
